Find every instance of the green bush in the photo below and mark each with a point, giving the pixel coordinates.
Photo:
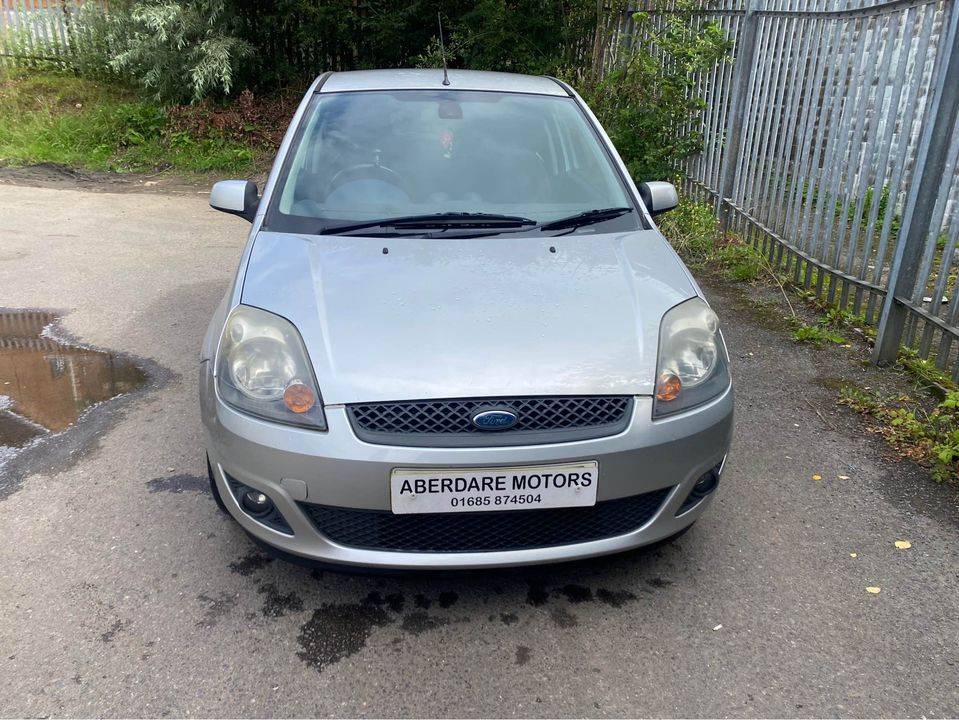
(95, 38)
(181, 50)
(647, 103)
(528, 36)
(692, 229)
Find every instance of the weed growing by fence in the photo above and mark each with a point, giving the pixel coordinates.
(694, 232)
(930, 437)
(816, 334)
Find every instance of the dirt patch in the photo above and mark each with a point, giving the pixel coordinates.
(50, 175)
(848, 363)
(828, 368)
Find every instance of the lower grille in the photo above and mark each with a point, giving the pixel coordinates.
(484, 531)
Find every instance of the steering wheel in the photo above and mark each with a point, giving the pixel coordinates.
(367, 172)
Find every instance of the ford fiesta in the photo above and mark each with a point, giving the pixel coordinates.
(456, 339)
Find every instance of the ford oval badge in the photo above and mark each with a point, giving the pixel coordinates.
(494, 419)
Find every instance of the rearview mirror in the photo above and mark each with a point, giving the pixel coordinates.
(236, 197)
(658, 197)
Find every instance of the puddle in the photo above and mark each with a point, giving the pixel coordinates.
(46, 384)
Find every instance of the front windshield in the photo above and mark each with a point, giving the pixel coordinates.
(365, 156)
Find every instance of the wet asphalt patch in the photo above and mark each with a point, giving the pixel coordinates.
(395, 601)
(563, 618)
(179, 484)
(112, 632)
(335, 631)
(216, 607)
(417, 623)
(614, 598)
(276, 604)
(250, 563)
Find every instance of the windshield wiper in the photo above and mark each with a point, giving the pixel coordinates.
(587, 217)
(435, 220)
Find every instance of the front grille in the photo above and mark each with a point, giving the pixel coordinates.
(448, 423)
(484, 531)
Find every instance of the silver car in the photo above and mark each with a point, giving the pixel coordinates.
(456, 339)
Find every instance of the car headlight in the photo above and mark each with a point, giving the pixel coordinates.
(692, 366)
(263, 369)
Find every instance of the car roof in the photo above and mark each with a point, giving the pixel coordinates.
(432, 79)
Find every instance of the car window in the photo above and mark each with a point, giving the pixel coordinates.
(372, 155)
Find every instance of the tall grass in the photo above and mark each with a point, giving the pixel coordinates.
(58, 118)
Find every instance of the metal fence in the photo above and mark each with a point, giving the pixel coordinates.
(831, 144)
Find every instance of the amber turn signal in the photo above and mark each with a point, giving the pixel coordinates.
(298, 398)
(668, 387)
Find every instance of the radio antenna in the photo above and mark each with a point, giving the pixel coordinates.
(439, 21)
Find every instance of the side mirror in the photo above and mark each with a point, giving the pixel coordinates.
(658, 197)
(236, 197)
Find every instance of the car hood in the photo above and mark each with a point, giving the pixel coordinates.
(405, 318)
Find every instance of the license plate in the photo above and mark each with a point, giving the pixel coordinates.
(531, 487)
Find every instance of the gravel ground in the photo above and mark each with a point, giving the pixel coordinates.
(125, 592)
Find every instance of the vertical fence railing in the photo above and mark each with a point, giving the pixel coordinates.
(831, 145)
(34, 32)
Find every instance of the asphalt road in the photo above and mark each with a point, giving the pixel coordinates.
(123, 591)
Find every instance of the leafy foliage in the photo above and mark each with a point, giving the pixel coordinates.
(694, 232)
(925, 371)
(82, 123)
(181, 50)
(204, 52)
(816, 335)
(647, 104)
(692, 229)
(539, 37)
(928, 437)
(740, 262)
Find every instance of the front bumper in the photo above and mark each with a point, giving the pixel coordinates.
(335, 468)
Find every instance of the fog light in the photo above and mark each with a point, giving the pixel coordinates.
(257, 503)
(705, 485)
